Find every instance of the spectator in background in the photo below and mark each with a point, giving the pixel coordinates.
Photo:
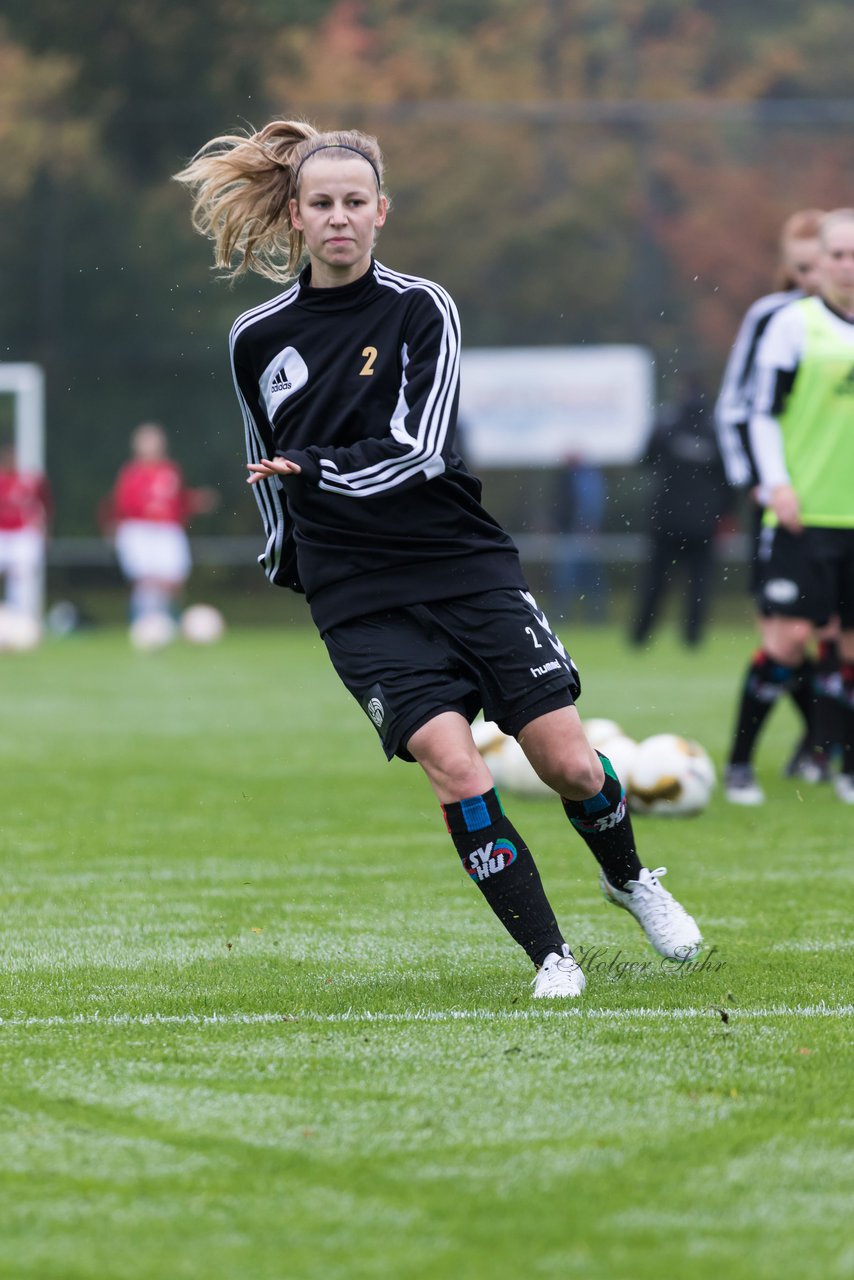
(689, 495)
(579, 582)
(25, 509)
(147, 513)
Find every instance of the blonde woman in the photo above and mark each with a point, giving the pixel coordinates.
(348, 383)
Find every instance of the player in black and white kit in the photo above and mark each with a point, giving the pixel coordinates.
(774, 669)
(802, 436)
(348, 383)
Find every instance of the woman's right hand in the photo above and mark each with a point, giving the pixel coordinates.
(786, 507)
(268, 467)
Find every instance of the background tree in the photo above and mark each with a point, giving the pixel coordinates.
(573, 170)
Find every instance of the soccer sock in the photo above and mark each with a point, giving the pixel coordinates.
(802, 691)
(846, 671)
(147, 598)
(829, 702)
(502, 866)
(764, 683)
(603, 822)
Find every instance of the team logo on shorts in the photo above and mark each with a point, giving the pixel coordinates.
(544, 670)
(781, 591)
(376, 711)
(493, 857)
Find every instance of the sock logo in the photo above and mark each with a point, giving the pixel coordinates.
(605, 823)
(493, 857)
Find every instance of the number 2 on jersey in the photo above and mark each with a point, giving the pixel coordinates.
(370, 354)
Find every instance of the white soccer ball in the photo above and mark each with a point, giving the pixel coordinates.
(19, 632)
(599, 731)
(670, 776)
(202, 624)
(487, 736)
(511, 770)
(506, 761)
(621, 750)
(152, 631)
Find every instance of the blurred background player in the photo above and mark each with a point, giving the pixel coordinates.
(579, 580)
(802, 437)
(767, 679)
(689, 496)
(25, 509)
(147, 513)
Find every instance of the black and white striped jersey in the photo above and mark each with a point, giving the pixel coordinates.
(738, 388)
(359, 385)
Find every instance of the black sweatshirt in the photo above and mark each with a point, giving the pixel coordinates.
(359, 385)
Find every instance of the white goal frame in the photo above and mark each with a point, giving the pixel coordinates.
(25, 382)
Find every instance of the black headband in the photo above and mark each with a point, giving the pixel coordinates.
(338, 146)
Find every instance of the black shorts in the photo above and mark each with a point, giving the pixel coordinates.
(807, 575)
(494, 652)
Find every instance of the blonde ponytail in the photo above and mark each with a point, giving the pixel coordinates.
(242, 187)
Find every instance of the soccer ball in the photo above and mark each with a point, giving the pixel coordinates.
(487, 736)
(670, 776)
(622, 751)
(19, 632)
(599, 731)
(511, 768)
(506, 760)
(152, 631)
(609, 738)
(202, 624)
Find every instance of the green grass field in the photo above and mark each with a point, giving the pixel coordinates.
(257, 1023)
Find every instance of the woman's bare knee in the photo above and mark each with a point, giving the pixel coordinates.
(579, 776)
(446, 752)
(786, 639)
(560, 754)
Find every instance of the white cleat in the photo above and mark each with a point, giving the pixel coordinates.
(843, 785)
(741, 787)
(667, 925)
(559, 976)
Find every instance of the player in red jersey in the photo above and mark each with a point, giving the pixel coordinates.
(24, 514)
(147, 513)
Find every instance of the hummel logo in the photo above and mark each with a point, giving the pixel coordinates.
(280, 381)
(545, 668)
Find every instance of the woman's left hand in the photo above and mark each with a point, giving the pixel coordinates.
(268, 467)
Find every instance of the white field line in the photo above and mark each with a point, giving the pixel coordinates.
(659, 1013)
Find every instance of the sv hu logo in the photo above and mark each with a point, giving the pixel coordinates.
(494, 857)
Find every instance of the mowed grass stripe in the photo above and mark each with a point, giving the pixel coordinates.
(432, 1015)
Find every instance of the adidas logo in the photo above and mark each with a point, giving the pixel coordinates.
(280, 382)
